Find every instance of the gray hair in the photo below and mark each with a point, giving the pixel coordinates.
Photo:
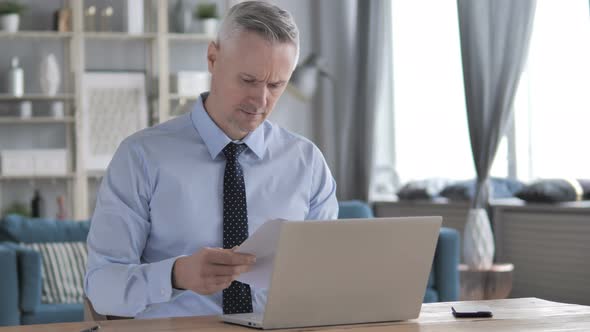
(267, 20)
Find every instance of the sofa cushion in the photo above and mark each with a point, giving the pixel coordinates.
(55, 313)
(465, 190)
(431, 277)
(17, 228)
(555, 190)
(446, 265)
(62, 272)
(422, 189)
(431, 295)
(9, 313)
(354, 209)
(29, 270)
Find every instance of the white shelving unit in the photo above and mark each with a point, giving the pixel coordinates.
(180, 98)
(199, 37)
(36, 35)
(119, 36)
(75, 47)
(35, 120)
(68, 176)
(36, 97)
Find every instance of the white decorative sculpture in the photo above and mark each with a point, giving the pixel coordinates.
(478, 240)
(50, 75)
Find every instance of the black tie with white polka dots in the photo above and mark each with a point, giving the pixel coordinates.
(237, 298)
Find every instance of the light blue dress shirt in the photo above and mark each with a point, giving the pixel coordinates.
(162, 197)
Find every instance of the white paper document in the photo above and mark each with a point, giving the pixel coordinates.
(263, 244)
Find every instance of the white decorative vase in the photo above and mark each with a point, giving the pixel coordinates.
(9, 22)
(478, 240)
(25, 109)
(209, 26)
(135, 16)
(57, 109)
(50, 75)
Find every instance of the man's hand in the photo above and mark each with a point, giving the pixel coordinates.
(209, 270)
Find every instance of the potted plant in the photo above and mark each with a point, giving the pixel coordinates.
(206, 14)
(9, 15)
(17, 208)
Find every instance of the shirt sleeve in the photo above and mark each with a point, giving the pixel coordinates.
(116, 282)
(323, 204)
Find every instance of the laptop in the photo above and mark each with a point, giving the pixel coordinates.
(347, 272)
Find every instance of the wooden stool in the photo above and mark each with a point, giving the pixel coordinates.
(493, 283)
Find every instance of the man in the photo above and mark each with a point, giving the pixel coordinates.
(178, 197)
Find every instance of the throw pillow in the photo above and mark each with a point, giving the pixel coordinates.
(422, 189)
(555, 191)
(62, 272)
(465, 190)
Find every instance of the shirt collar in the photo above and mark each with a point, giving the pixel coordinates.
(215, 139)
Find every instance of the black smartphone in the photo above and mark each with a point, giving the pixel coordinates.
(471, 311)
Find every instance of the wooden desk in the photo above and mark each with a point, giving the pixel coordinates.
(530, 314)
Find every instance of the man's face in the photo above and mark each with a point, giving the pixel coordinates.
(248, 75)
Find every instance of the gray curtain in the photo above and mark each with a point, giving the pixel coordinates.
(495, 36)
(354, 37)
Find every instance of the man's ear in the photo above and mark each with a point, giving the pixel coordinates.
(212, 55)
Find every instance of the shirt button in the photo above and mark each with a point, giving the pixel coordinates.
(162, 291)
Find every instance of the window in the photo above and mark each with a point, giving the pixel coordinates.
(551, 108)
(431, 131)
